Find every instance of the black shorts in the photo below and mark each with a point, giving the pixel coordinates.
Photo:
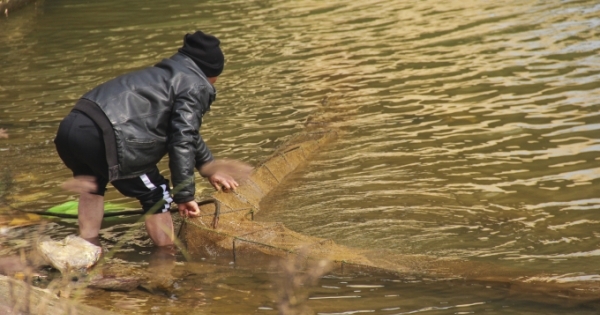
(80, 145)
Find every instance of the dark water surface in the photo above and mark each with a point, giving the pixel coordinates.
(467, 129)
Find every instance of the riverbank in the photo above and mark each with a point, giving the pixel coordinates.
(18, 297)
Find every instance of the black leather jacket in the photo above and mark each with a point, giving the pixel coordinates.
(151, 112)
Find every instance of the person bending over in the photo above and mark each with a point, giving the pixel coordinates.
(119, 131)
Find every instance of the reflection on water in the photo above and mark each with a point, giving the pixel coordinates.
(215, 288)
(469, 128)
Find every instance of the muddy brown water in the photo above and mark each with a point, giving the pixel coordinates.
(469, 130)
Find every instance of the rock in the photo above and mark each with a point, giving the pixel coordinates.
(125, 284)
(73, 254)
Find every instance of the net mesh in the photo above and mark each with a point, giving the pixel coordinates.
(237, 236)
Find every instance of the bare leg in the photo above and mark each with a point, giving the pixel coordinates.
(162, 260)
(91, 212)
(160, 228)
(160, 265)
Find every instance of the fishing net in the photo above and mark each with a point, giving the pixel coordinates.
(226, 229)
(227, 226)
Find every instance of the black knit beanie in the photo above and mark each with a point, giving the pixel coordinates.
(205, 52)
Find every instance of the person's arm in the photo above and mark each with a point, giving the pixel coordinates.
(183, 144)
(203, 154)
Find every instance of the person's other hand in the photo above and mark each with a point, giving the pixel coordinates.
(188, 209)
(81, 184)
(222, 181)
(237, 170)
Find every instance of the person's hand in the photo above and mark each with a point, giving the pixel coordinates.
(188, 209)
(222, 181)
(226, 174)
(81, 184)
(3, 133)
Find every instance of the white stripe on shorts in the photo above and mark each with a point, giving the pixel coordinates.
(147, 182)
(166, 197)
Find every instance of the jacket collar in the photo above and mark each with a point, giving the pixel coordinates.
(189, 63)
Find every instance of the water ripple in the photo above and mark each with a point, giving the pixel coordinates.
(467, 129)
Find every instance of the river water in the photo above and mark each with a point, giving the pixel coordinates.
(467, 129)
